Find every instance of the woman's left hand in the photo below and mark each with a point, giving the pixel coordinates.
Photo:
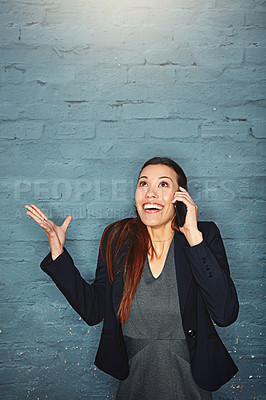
(190, 224)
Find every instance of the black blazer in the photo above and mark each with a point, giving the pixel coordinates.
(206, 294)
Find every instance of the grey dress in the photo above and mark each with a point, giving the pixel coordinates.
(159, 365)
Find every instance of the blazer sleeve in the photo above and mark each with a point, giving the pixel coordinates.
(210, 269)
(88, 300)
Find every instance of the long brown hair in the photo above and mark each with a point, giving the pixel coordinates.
(131, 234)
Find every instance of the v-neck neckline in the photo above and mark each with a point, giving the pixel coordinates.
(159, 276)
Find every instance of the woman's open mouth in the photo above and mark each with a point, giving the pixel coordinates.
(152, 208)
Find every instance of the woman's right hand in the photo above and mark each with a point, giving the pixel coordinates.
(56, 234)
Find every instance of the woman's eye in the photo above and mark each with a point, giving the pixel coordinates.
(142, 183)
(164, 182)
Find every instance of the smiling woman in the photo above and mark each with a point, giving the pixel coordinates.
(154, 193)
(159, 288)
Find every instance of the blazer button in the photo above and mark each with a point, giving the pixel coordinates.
(207, 267)
(204, 261)
(191, 333)
(210, 274)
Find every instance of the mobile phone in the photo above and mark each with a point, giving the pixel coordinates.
(181, 211)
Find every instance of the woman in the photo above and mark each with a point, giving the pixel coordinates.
(158, 286)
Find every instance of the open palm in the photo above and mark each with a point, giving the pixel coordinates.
(56, 234)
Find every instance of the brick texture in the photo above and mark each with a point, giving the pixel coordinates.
(89, 91)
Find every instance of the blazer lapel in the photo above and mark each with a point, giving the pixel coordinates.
(183, 271)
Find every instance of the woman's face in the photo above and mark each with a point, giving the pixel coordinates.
(155, 188)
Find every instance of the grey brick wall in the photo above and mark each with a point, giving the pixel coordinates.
(89, 91)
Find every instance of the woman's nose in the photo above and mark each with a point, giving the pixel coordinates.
(151, 193)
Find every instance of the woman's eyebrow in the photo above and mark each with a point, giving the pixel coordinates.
(160, 177)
